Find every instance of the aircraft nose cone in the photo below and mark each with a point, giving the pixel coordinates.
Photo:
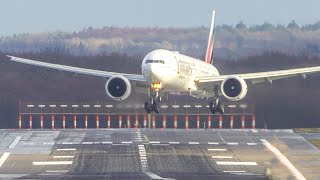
(156, 72)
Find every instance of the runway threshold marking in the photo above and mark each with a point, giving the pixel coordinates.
(284, 160)
(41, 163)
(222, 157)
(62, 157)
(68, 149)
(4, 158)
(15, 142)
(217, 149)
(236, 163)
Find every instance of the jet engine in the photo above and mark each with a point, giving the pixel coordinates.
(118, 88)
(234, 88)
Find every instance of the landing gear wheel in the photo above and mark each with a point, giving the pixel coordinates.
(147, 107)
(216, 107)
(156, 108)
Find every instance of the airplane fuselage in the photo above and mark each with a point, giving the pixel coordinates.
(176, 72)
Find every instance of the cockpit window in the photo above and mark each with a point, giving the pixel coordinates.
(155, 61)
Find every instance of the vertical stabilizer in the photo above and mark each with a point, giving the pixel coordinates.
(209, 51)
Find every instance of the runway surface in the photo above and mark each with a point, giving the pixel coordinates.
(154, 154)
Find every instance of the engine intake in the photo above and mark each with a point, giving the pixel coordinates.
(118, 88)
(234, 88)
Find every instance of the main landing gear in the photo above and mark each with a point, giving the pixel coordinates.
(155, 98)
(216, 106)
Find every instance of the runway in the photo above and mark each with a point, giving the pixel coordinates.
(154, 154)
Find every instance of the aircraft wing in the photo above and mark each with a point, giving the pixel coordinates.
(258, 77)
(91, 72)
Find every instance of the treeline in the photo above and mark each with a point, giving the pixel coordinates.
(232, 42)
(284, 104)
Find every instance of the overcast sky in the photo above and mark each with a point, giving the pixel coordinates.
(72, 15)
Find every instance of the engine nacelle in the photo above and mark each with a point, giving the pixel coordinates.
(118, 88)
(234, 88)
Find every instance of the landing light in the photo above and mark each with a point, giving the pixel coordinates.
(156, 86)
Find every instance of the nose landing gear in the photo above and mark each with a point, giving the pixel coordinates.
(154, 97)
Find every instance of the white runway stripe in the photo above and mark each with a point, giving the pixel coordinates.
(222, 157)
(193, 142)
(106, 142)
(232, 143)
(174, 142)
(62, 157)
(126, 142)
(67, 143)
(4, 158)
(252, 144)
(217, 149)
(15, 142)
(57, 171)
(283, 160)
(232, 163)
(41, 163)
(68, 149)
(154, 142)
(213, 143)
(234, 171)
(87, 142)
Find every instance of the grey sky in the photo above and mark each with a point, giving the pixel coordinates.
(72, 15)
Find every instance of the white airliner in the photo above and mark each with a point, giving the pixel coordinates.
(168, 72)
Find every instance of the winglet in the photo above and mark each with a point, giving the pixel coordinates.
(209, 51)
(9, 57)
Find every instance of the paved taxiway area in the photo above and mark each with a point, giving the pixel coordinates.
(154, 154)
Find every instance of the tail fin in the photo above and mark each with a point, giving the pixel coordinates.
(209, 51)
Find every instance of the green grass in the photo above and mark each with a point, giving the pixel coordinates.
(315, 142)
(307, 130)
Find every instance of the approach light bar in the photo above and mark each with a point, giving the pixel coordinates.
(30, 105)
(164, 106)
(175, 106)
(243, 106)
(75, 106)
(232, 106)
(97, 106)
(42, 106)
(52, 106)
(86, 106)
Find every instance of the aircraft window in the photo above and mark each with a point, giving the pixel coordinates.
(148, 61)
(155, 61)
